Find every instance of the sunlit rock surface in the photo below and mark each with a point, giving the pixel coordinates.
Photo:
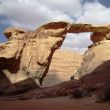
(64, 64)
(26, 57)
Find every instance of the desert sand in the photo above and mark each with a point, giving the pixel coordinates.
(62, 103)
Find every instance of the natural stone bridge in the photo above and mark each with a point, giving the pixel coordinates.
(28, 54)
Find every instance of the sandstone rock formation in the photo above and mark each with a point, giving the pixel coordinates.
(28, 54)
(94, 72)
(64, 63)
(95, 56)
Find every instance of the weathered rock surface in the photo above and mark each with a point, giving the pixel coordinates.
(64, 63)
(28, 54)
(94, 57)
(94, 72)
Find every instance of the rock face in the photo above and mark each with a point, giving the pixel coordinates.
(94, 72)
(94, 57)
(27, 54)
(64, 63)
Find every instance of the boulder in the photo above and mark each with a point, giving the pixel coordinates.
(28, 54)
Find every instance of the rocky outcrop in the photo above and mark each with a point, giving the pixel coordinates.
(64, 63)
(94, 72)
(62, 89)
(95, 56)
(28, 54)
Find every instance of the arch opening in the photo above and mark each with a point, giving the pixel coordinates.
(77, 42)
(67, 59)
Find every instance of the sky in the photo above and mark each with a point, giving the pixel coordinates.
(31, 14)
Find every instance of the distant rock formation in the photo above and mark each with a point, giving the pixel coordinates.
(94, 73)
(64, 63)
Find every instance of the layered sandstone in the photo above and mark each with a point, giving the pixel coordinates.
(94, 72)
(64, 63)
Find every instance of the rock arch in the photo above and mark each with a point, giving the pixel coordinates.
(28, 54)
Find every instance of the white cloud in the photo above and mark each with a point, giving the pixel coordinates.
(33, 13)
(72, 7)
(77, 42)
(95, 13)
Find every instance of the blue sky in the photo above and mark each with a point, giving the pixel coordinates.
(30, 14)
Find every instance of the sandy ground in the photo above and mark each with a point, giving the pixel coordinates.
(63, 103)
